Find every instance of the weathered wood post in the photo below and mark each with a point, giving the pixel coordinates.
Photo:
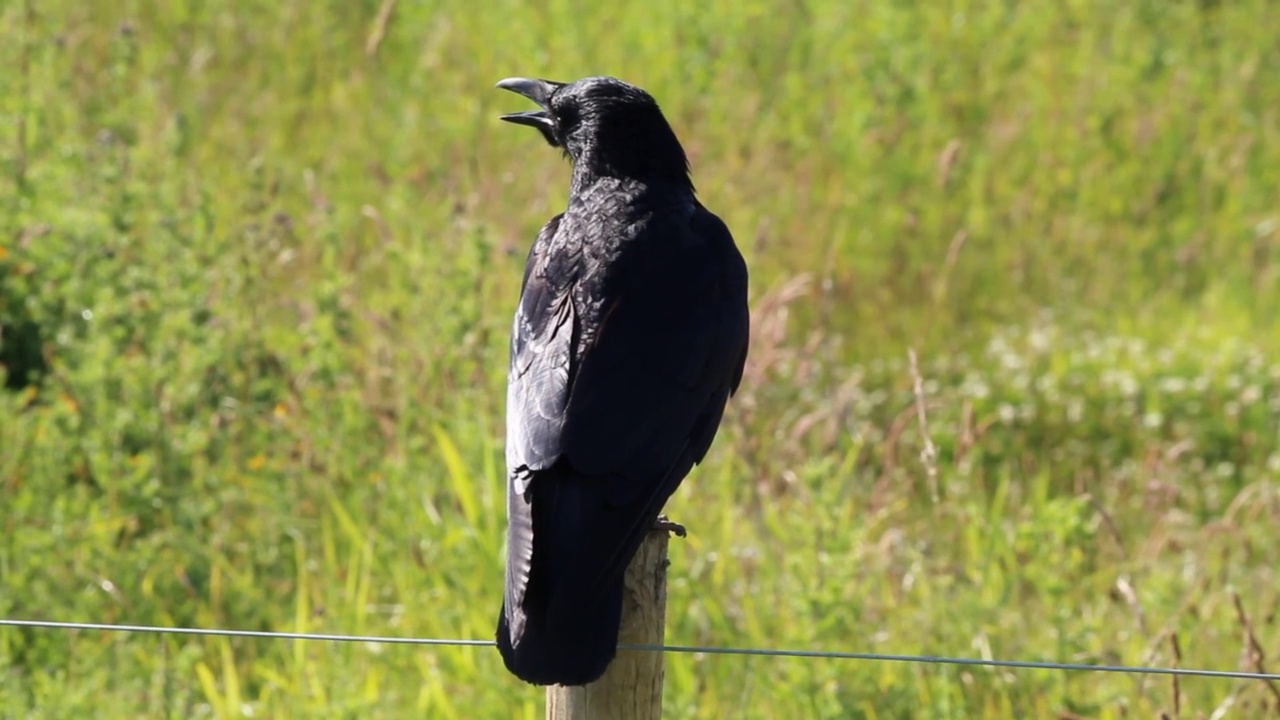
(631, 689)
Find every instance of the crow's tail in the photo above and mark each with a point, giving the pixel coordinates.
(574, 653)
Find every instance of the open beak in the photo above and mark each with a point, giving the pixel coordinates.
(540, 92)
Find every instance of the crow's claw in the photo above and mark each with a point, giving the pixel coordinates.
(664, 524)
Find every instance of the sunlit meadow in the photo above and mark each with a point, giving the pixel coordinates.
(257, 265)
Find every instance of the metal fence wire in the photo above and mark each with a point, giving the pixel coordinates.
(709, 650)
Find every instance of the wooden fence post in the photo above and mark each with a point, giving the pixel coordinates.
(631, 689)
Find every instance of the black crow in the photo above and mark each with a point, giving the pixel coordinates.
(629, 338)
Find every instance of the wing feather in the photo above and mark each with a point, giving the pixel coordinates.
(537, 392)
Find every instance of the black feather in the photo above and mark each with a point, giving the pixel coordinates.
(629, 338)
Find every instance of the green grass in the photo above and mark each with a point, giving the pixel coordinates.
(257, 264)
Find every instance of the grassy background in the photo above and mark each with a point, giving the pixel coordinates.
(257, 264)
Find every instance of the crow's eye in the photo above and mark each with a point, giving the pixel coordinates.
(567, 117)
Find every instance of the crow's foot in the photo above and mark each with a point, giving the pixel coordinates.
(663, 524)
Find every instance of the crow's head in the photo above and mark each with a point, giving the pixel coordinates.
(603, 124)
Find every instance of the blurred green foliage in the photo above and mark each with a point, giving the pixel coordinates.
(257, 264)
